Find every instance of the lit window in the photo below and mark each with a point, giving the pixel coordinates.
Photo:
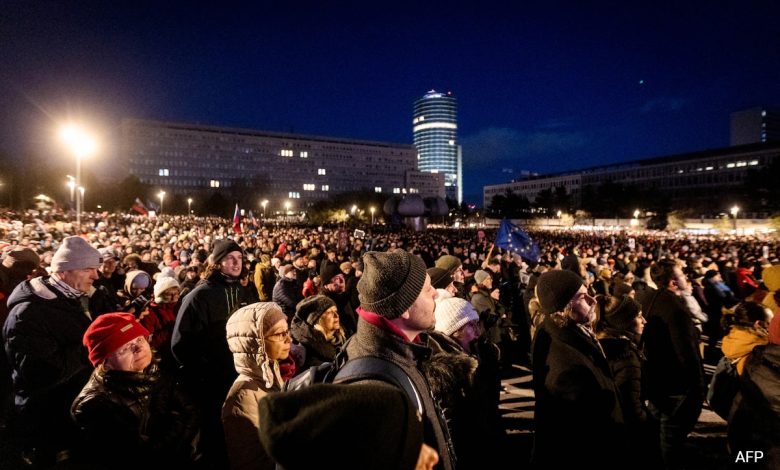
(452, 142)
(294, 195)
(214, 183)
(422, 118)
(164, 172)
(739, 164)
(403, 190)
(753, 162)
(377, 189)
(396, 190)
(325, 187)
(730, 165)
(304, 154)
(287, 153)
(321, 171)
(308, 187)
(709, 168)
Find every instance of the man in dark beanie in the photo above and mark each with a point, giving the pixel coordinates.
(200, 346)
(454, 268)
(298, 428)
(577, 405)
(397, 303)
(48, 316)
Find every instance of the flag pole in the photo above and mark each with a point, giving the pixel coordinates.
(487, 258)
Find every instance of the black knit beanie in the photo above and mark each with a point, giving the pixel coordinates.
(222, 248)
(390, 282)
(328, 271)
(622, 314)
(311, 308)
(440, 278)
(555, 289)
(298, 428)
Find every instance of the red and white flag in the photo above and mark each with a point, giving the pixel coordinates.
(236, 221)
(139, 207)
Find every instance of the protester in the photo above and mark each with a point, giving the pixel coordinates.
(317, 328)
(258, 337)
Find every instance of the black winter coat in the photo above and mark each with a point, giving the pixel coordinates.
(577, 405)
(131, 419)
(287, 295)
(625, 360)
(199, 343)
(318, 349)
(671, 345)
(49, 364)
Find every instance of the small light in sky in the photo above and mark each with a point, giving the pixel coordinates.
(641, 82)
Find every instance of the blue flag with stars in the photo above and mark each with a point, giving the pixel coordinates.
(512, 238)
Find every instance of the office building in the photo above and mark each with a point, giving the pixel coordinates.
(435, 128)
(192, 159)
(754, 125)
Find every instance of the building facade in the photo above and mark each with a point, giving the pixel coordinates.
(754, 125)
(435, 129)
(195, 159)
(689, 180)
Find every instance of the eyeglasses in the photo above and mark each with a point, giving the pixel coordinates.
(135, 346)
(282, 336)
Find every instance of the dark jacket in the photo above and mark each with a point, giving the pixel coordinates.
(372, 340)
(199, 343)
(625, 360)
(134, 418)
(577, 406)
(674, 365)
(491, 313)
(754, 423)
(49, 364)
(287, 295)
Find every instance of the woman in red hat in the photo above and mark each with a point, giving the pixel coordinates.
(128, 408)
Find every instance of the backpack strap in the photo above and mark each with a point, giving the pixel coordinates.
(370, 367)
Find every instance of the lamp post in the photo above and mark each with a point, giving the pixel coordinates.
(161, 195)
(636, 214)
(189, 206)
(72, 186)
(372, 215)
(263, 204)
(81, 193)
(734, 212)
(82, 145)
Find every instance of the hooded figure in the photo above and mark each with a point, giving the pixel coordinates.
(258, 337)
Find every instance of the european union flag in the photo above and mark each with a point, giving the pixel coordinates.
(512, 238)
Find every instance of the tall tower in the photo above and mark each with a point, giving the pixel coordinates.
(435, 127)
(755, 125)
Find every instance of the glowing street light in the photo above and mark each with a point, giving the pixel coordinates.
(82, 145)
(734, 212)
(354, 208)
(263, 204)
(559, 214)
(636, 214)
(161, 195)
(372, 215)
(189, 206)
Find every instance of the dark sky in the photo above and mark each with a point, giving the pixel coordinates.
(541, 86)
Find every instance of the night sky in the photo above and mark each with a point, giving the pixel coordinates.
(541, 86)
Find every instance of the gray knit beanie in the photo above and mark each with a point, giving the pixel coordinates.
(555, 289)
(75, 253)
(391, 282)
(480, 276)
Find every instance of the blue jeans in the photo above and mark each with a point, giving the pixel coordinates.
(677, 415)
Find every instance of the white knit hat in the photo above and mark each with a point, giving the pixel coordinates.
(453, 313)
(163, 283)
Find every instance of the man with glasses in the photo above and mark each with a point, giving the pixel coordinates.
(48, 316)
(454, 268)
(577, 406)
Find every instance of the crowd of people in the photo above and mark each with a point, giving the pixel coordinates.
(172, 339)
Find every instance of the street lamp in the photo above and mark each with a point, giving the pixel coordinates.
(264, 203)
(82, 145)
(636, 214)
(354, 208)
(189, 206)
(161, 195)
(372, 215)
(559, 214)
(734, 212)
(81, 191)
(72, 186)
